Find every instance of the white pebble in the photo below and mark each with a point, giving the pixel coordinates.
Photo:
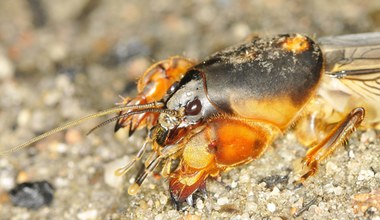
(338, 190)
(6, 67)
(61, 148)
(335, 190)
(377, 175)
(271, 207)
(245, 216)
(244, 178)
(23, 117)
(52, 97)
(222, 201)
(351, 154)
(365, 175)
(233, 184)
(368, 136)
(150, 203)
(251, 207)
(109, 172)
(158, 217)
(200, 204)
(57, 51)
(87, 215)
(163, 199)
(331, 168)
(275, 191)
(7, 181)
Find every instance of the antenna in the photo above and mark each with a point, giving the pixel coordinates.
(153, 105)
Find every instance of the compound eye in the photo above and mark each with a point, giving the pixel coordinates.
(193, 107)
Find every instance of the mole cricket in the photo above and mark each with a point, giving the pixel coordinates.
(206, 118)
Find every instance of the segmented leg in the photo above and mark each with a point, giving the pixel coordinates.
(123, 170)
(335, 138)
(152, 87)
(152, 162)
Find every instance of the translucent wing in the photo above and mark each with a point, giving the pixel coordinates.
(354, 61)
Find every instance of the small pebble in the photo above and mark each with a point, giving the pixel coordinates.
(365, 175)
(158, 217)
(275, 191)
(244, 178)
(331, 168)
(368, 136)
(7, 68)
(32, 195)
(22, 176)
(52, 98)
(61, 148)
(73, 136)
(271, 207)
(24, 117)
(251, 207)
(351, 154)
(245, 216)
(109, 172)
(241, 30)
(88, 214)
(200, 205)
(7, 180)
(233, 184)
(222, 201)
(163, 199)
(150, 203)
(143, 205)
(377, 175)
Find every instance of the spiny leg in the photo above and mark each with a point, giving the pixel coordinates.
(336, 137)
(154, 159)
(123, 170)
(134, 188)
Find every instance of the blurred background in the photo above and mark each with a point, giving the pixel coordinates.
(60, 60)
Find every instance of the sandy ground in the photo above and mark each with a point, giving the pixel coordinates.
(60, 60)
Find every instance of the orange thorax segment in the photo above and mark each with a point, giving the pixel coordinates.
(238, 142)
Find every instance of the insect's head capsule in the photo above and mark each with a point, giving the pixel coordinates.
(189, 100)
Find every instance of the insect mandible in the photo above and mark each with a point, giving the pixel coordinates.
(206, 118)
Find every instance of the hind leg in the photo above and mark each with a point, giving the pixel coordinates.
(334, 138)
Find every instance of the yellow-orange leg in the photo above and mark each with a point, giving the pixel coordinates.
(151, 87)
(335, 138)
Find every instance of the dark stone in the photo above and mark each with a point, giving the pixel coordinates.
(32, 195)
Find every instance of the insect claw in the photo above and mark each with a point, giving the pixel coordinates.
(132, 129)
(117, 126)
(298, 184)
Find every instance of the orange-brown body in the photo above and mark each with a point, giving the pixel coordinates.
(229, 108)
(225, 111)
